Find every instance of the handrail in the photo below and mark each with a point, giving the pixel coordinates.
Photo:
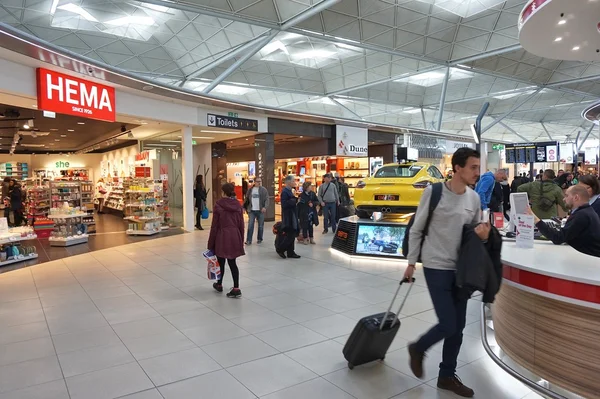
(531, 384)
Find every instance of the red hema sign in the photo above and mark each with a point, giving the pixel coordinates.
(65, 94)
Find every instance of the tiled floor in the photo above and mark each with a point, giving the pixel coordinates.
(142, 322)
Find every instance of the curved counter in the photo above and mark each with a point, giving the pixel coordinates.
(547, 314)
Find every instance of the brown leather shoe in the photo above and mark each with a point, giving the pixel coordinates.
(416, 360)
(454, 384)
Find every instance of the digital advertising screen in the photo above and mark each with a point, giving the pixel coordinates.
(540, 155)
(380, 240)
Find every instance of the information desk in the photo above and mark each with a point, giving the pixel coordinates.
(547, 314)
(366, 237)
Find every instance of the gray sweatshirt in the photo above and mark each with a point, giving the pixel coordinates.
(328, 194)
(442, 244)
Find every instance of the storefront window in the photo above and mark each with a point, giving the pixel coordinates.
(167, 168)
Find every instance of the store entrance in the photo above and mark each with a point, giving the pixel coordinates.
(73, 185)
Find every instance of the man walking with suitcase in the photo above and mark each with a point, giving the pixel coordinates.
(439, 251)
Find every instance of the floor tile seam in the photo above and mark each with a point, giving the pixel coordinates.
(122, 342)
(309, 303)
(319, 377)
(144, 390)
(28, 339)
(62, 373)
(266, 357)
(35, 385)
(300, 347)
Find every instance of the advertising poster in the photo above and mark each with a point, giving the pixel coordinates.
(551, 153)
(525, 231)
(380, 240)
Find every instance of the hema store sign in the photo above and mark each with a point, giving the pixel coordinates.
(352, 141)
(65, 94)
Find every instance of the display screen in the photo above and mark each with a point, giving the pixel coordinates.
(520, 155)
(530, 154)
(540, 154)
(380, 240)
(510, 155)
(302, 170)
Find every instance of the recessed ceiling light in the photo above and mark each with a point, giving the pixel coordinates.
(575, 48)
(558, 39)
(562, 22)
(63, 135)
(26, 126)
(56, 139)
(81, 123)
(70, 130)
(54, 130)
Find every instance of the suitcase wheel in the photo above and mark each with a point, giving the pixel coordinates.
(350, 366)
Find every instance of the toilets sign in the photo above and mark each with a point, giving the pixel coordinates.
(69, 95)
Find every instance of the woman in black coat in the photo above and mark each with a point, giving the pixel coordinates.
(289, 220)
(200, 197)
(307, 213)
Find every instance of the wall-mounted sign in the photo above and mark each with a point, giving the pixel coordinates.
(69, 95)
(145, 156)
(351, 141)
(229, 122)
(232, 114)
(452, 146)
(497, 147)
(532, 152)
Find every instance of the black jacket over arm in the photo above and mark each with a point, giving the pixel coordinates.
(479, 267)
(582, 231)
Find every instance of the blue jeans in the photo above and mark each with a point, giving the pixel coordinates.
(452, 314)
(329, 216)
(252, 216)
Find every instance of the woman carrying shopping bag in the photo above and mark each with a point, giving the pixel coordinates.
(226, 238)
(200, 197)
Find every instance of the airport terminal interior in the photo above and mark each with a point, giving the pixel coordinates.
(213, 199)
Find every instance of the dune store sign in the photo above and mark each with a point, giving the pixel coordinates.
(69, 95)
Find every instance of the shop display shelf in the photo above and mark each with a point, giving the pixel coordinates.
(69, 216)
(17, 239)
(143, 218)
(142, 232)
(20, 258)
(68, 241)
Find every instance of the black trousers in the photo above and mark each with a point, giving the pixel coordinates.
(235, 272)
(198, 217)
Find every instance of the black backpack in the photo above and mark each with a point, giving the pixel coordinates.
(436, 195)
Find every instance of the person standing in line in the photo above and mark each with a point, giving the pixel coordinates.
(439, 251)
(485, 188)
(200, 195)
(307, 213)
(289, 219)
(256, 203)
(544, 195)
(6, 197)
(329, 198)
(226, 238)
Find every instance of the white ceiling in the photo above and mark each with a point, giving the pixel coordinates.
(381, 61)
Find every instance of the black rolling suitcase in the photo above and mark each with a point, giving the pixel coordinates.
(373, 335)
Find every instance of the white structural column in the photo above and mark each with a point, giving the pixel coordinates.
(187, 167)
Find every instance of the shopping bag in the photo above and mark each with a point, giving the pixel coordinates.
(205, 213)
(213, 270)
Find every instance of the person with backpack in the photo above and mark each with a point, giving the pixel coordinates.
(226, 238)
(435, 237)
(329, 198)
(544, 195)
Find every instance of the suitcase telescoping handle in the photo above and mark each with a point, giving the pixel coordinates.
(406, 280)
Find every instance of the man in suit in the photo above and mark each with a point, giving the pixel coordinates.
(582, 230)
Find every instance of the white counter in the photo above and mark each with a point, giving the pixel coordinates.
(560, 261)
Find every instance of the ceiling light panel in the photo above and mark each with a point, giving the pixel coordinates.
(434, 78)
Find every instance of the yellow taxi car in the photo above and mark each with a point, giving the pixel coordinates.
(394, 188)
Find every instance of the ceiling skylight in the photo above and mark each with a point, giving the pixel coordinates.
(300, 50)
(433, 78)
(131, 20)
(79, 11)
(464, 8)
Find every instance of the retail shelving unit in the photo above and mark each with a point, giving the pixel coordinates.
(38, 202)
(87, 205)
(354, 170)
(15, 170)
(11, 248)
(69, 229)
(61, 192)
(141, 208)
